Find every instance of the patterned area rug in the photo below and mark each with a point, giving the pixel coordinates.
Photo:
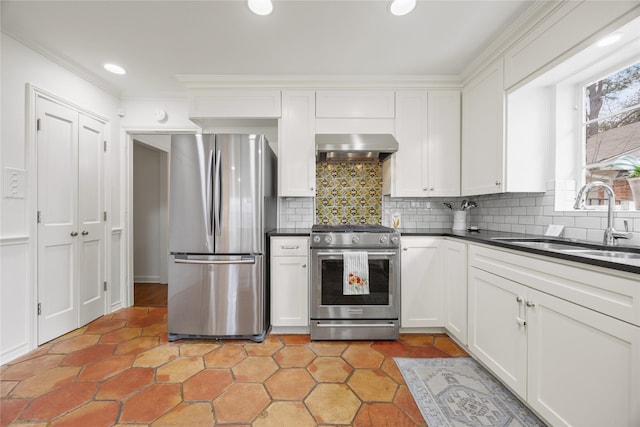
(459, 392)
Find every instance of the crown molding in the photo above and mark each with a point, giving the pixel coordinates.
(540, 11)
(70, 66)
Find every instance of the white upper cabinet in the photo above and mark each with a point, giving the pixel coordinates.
(427, 128)
(483, 132)
(296, 145)
(443, 143)
(232, 103)
(355, 104)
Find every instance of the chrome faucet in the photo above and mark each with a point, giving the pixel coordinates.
(611, 236)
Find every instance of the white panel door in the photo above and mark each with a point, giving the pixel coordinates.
(91, 255)
(497, 331)
(583, 365)
(443, 167)
(296, 145)
(57, 156)
(71, 227)
(422, 287)
(411, 160)
(455, 285)
(289, 291)
(483, 133)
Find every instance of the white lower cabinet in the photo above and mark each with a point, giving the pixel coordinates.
(496, 327)
(582, 365)
(573, 365)
(455, 289)
(289, 281)
(421, 283)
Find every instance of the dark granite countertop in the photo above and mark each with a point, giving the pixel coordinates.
(489, 238)
(290, 232)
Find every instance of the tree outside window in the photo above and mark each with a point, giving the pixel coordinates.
(611, 129)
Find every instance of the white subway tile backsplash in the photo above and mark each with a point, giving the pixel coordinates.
(587, 222)
(510, 212)
(519, 228)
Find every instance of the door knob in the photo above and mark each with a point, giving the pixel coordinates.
(74, 233)
(84, 233)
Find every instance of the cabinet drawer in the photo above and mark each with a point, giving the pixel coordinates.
(611, 292)
(289, 246)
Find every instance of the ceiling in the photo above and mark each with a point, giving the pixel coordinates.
(157, 40)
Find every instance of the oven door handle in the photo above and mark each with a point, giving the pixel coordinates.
(355, 325)
(368, 253)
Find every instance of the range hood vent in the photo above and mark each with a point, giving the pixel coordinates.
(354, 147)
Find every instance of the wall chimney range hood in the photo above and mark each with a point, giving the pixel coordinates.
(354, 147)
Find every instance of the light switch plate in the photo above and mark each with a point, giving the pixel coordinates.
(554, 230)
(14, 183)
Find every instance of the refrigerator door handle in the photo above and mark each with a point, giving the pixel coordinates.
(210, 202)
(203, 261)
(217, 195)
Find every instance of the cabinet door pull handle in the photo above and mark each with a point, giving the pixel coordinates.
(84, 232)
(289, 246)
(74, 233)
(521, 322)
(304, 265)
(530, 304)
(519, 299)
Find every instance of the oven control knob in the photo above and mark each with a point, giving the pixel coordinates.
(327, 239)
(395, 240)
(355, 239)
(316, 239)
(383, 239)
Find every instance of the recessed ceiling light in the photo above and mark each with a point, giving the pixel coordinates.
(609, 40)
(115, 69)
(260, 7)
(402, 7)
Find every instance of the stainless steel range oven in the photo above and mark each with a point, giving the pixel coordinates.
(339, 316)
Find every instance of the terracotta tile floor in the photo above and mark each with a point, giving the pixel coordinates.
(120, 370)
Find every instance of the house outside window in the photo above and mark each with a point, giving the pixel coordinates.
(611, 128)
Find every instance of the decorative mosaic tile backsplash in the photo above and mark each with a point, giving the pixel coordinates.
(349, 193)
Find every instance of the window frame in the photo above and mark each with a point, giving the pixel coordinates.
(566, 83)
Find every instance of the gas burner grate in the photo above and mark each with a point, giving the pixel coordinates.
(351, 228)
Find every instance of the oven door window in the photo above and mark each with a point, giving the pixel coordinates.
(332, 289)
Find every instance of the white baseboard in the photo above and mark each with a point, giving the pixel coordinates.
(146, 279)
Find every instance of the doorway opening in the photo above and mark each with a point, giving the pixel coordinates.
(150, 219)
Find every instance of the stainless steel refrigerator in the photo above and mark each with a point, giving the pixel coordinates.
(222, 202)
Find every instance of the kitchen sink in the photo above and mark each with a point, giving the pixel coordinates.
(614, 254)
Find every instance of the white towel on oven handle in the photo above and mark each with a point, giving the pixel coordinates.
(356, 273)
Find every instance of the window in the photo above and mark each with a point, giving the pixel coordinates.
(611, 128)
(585, 112)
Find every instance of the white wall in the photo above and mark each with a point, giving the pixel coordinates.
(139, 114)
(150, 196)
(21, 65)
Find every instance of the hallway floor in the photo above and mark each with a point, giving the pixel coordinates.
(121, 370)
